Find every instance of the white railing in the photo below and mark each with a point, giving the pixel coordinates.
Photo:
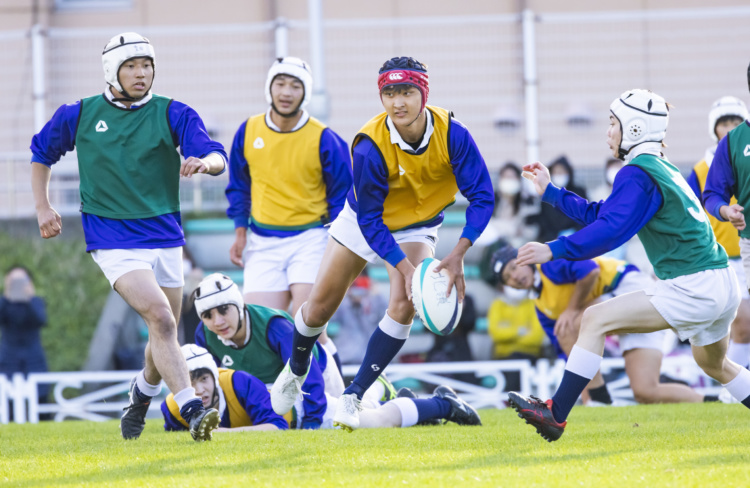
(101, 396)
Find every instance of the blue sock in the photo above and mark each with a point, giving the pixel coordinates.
(381, 350)
(140, 396)
(337, 360)
(302, 347)
(432, 408)
(191, 408)
(746, 402)
(567, 394)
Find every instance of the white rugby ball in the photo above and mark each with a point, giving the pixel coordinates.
(439, 313)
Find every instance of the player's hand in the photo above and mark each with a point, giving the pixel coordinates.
(50, 223)
(567, 322)
(453, 264)
(538, 174)
(407, 271)
(533, 253)
(193, 165)
(734, 214)
(235, 252)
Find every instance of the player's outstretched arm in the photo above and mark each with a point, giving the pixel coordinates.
(538, 174)
(533, 253)
(454, 264)
(50, 223)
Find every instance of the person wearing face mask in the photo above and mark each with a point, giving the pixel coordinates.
(552, 223)
(513, 206)
(611, 167)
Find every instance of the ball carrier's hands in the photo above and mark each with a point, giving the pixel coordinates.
(453, 263)
(538, 174)
(407, 271)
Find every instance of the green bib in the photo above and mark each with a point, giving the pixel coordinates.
(739, 154)
(678, 239)
(127, 161)
(256, 357)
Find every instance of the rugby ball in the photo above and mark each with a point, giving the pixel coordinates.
(440, 314)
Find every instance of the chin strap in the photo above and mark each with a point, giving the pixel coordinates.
(290, 115)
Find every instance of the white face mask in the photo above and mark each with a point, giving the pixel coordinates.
(611, 173)
(514, 296)
(509, 186)
(560, 180)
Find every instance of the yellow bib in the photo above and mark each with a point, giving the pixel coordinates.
(726, 234)
(419, 186)
(554, 298)
(238, 416)
(287, 187)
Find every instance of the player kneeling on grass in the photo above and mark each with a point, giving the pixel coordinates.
(697, 294)
(564, 289)
(241, 399)
(258, 340)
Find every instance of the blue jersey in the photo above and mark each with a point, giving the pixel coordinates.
(251, 395)
(635, 199)
(371, 187)
(720, 182)
(278, 338)
(335, 165)
(58, 137)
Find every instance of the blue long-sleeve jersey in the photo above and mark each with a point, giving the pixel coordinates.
(58, 137)
(610, 223)
(371, 186)
(335, 164)
(251, 394)
(280, 332)
(720, 182)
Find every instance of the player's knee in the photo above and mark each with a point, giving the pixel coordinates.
(316, 315)
(402, 311)
(593, 323)
(712, 367)
(161, 322)
(741, 330)
(644, 393)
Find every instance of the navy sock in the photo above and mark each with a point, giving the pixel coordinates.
(381, 350)
(567, 394)
(746, 402)
(191, 408)
(432, 408)
(601, 395)
(302, 347)
(337, 360)
(140, 396)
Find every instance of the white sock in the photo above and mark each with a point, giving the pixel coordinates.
(739, 353)
(583, 363)
(145, 387)
(330, 346)
(739, 387)
(185, 396)
(393, 328)
(302, 327)
(408, 409)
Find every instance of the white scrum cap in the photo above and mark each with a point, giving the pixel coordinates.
(119, 49)
(291, 66)
(217, 289)
(725, 107)
(643, 117)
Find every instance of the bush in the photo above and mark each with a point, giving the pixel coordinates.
(73, 286)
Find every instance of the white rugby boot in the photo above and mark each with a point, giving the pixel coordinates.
(347, 412)
(286, 389)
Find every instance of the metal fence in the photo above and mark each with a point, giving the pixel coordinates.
(481, 67)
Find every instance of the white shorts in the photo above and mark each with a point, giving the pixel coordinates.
(740, 269)
(345, 230)
(274, 263)
(699, 306)
(638, 281)
(166, 263)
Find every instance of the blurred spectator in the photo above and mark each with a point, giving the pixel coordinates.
(611, 167)
(513, 206)
(358, 317)
(22, 315)
(514, 329)
(551, 221)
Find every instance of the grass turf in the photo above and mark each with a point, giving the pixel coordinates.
(656, 445)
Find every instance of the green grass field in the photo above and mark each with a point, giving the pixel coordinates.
(697, 445)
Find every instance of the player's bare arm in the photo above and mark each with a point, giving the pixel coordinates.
(211, 164)
(407, 270)
(734, 214)
(453, 263)
(240, 242)
(50, 223)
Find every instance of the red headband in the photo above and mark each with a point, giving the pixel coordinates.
(406, 77)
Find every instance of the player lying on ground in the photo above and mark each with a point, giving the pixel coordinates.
(245, 404)
(409, 163)
(697, 294)
(257, 340)
(564, 289)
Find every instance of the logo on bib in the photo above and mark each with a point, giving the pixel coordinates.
(101, 126)
(258, 143)
(747, 150)
(401, 171)
(227, 361)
